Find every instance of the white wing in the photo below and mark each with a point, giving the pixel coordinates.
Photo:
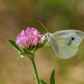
(62, 49)
(65, 43)
(70, 34)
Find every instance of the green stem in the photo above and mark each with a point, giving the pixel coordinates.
(35, 70)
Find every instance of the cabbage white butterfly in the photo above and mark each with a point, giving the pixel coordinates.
(65, 42)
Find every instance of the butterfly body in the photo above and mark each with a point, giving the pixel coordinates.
(65, 42)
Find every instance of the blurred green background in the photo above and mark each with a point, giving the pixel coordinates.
(16, 15)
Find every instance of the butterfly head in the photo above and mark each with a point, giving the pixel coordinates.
(49, 36)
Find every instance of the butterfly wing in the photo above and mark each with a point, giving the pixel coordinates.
(74, 35)
(65, 43)
(62, 49)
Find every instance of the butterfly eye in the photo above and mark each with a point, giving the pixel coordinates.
(72, 38)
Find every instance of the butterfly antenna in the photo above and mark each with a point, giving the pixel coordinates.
(43, 26)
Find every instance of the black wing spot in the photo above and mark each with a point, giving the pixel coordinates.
(70, 41)
(72, 38)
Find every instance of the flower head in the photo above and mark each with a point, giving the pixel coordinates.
(29, 38)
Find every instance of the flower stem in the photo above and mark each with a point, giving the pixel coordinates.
(35, 70)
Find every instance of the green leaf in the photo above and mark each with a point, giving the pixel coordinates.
(52, 78)
(45, 44)
(41, 81)
(21, 54)
(29, 54)
(34, 49)
(14, 45)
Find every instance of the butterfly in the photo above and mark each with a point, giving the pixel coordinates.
(65, 42)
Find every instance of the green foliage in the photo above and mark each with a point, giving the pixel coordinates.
(29, 52)
(40, 46)
(21, 54)
(16, 47)
(52, 78)
(45, 44)
(41, 81)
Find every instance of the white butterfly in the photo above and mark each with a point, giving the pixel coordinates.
(65, 42)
